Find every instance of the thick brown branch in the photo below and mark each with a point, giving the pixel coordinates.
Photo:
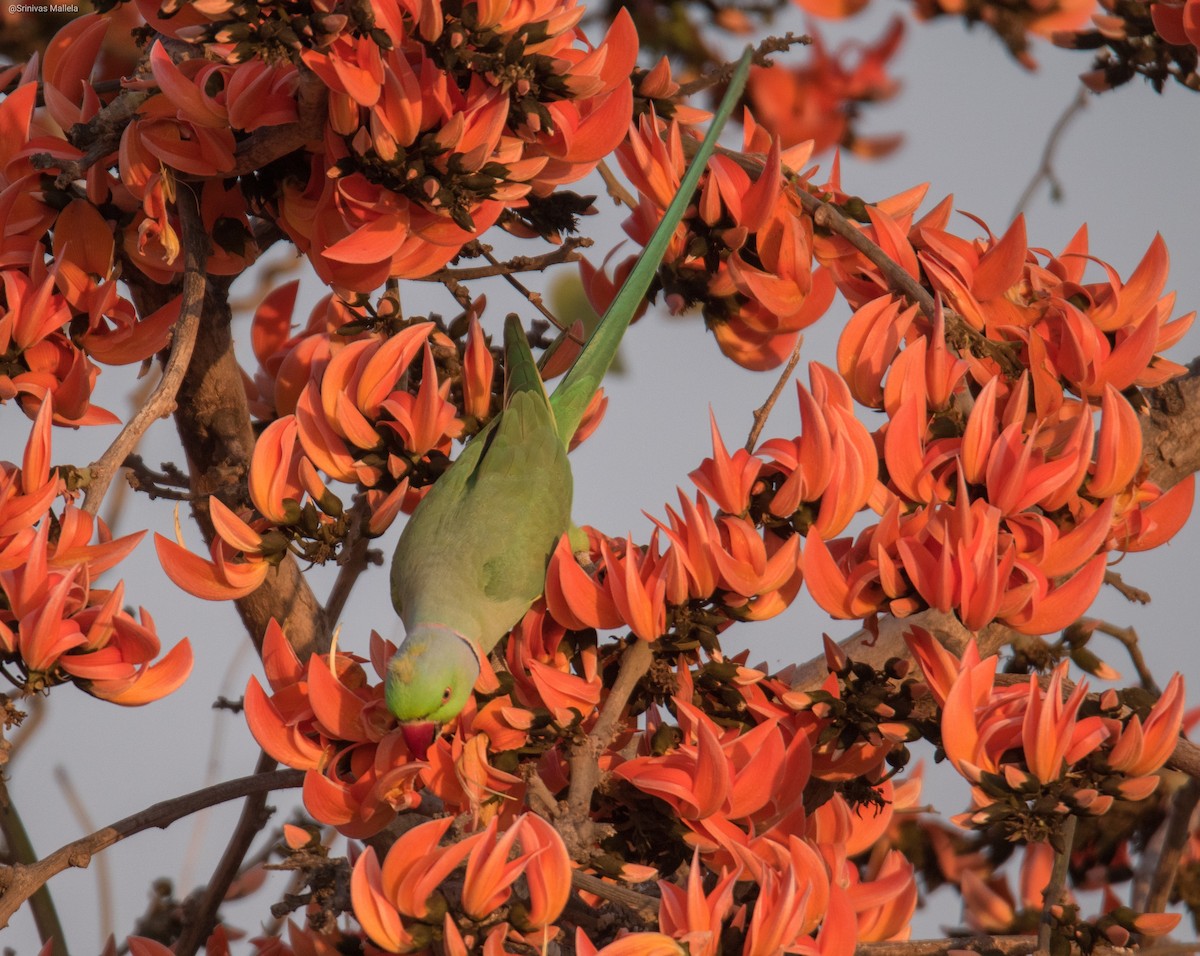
(585, 771)
(213, 420)
(162, 400)
(1171, 431)
(274, 142)
(19, 882)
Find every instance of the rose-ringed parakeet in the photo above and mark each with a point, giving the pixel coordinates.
(473, 556)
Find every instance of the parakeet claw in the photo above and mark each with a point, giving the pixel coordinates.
(419, 737)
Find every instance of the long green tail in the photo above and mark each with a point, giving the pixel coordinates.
(571, 398)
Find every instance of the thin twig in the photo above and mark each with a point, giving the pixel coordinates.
(1006, 945)
(567, 252)
(1054, 889)
(1175, 838)
(355, 561)
(104, 894)
(1127, 591)
(20, 849)
(761, 56)
(20, 881)
(162, 400)
(827, 216)
(1045, 168)
(763, 412)
(1129, 639)
(615, 188)
(254, 812)
(534, 298)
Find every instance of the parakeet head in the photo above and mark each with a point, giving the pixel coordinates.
(428, 682)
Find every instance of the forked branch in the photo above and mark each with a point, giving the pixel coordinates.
(162, 400)
(18, 882)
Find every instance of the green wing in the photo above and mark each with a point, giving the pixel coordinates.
(473, 556)
(570, 400)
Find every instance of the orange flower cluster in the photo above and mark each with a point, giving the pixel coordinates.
(1018, 743)
(743, 560)
(340, 407)
(1002, 495)
(745, 255)
(821, 99)
(432, 118)
(401, 904)
(55, 627)
(57, 321)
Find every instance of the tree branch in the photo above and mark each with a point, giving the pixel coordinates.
(763, 412)
(1052, 897)
(20, 848)
(567, 252)
(585, 771)
(270, 143)
(213, 420)
(1045, 170)
(254, 817)
(1175, 837)
(162, 400)
(20, 881)
(1171, 430)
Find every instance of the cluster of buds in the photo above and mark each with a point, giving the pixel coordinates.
(1159, 41)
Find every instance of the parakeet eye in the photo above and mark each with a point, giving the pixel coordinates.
(446, 695)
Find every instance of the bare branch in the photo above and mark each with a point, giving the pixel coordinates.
(162, 400)
(1127, 591)
(761, 55)
(615, 188)
(104, 893)
(20, 849)
(645, 906)
(1052, 897)
(251, 822)
(1129, 638)
(20, 881)
(1045, 170)
(763, 412)
(1174, 838)
(567, 252)
(585, 770)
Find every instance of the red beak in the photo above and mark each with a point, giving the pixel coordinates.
(419, 737)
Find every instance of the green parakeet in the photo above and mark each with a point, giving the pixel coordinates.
(473, 556)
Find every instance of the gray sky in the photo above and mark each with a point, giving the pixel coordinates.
(975, 126)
